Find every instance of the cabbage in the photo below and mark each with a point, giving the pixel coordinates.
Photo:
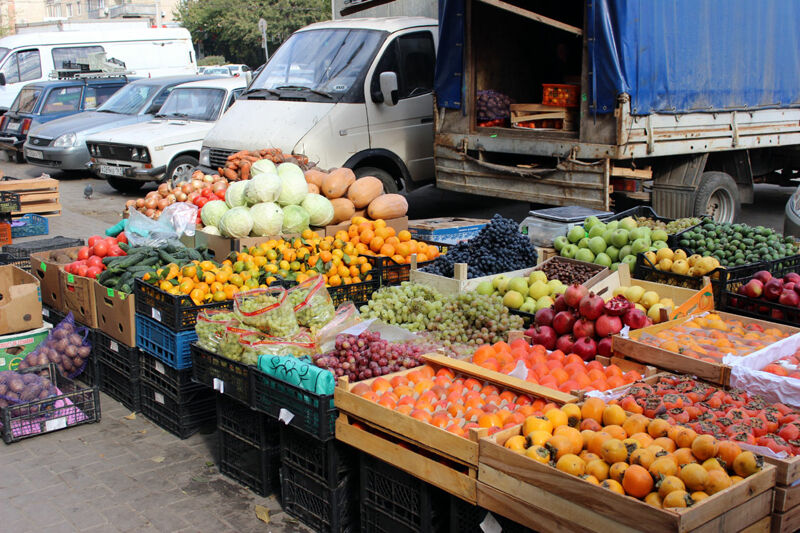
(267, 219)
(263, 188)
(262, 166)
(319, 208)
(236, 223)
(212, 212)
(211, 230)
(295, 219)
(234, 195)
(294, 187)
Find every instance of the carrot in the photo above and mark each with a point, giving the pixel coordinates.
(230, 174)
(245, 171)
(237, 155)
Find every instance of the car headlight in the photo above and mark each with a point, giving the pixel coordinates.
(140, 153)
(205, 157)
(68, 139)
(135, 154)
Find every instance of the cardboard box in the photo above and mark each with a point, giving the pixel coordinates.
(15, 347)
(399, 224)
(21, 303)
(115, 314)
(79, 298)
(223, 246)
(448, 230)
(46, 271)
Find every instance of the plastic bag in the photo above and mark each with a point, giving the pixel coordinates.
(346, 317)
(210, 326)
(298, 372)
(19, 388)
(66, 346)
(268, 310)
(175, 220)
(297, 346)
(230, 344)
(312, 303)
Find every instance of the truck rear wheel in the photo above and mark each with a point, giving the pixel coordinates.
(123, 185)
(389, 183)
(717, 197)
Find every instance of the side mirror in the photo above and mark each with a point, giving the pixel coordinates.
(153, 109)
(2, 79)
(388, 83)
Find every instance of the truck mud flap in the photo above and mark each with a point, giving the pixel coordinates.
(569, 183)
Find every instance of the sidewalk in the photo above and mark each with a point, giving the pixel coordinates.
(125, 475)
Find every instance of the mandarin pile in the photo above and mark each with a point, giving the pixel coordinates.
(665, 465)
(374, 237)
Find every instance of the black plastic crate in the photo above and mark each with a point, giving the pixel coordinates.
(393, 273)
(393, 501)
(220, 373)
(121, 357)
(253, 466)
(649, 212)
(328, 461)
(248, 424)
(9, 202)
(321, 508)
(176, 312)
(91, 374)
(314, 413)
(465, 517)
(644, 270)
(183, 419)
(358, 293)
(120, 386)
(52, 316)
(164, 378)
(21, 252)
(761, 308)
(73, 407)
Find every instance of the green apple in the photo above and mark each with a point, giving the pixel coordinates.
(639, 246)
(597, 245)
(628, 223)
(625, 250)
(620, 238)
(613, 225)
(612, 252)
(597, 230)
(569, 251)
(559, 242)
(602, 259)
(576, 233)
(659, 235)
(584, 254)
(583, 243)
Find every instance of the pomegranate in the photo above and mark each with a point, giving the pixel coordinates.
(591, 306)
(565, 342)
(604, 347)
(635, 318)
(607, 325)
(544, 317)
(560, 304)
(585, 348)
(583, 328)
(544, 335)
(563, 322)
(574, 294)
(617, 306)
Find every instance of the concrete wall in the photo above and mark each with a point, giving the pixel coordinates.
(421, 8)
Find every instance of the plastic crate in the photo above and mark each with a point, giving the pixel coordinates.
(647, 272)
(220, 373)
(52, 316)
(5, 233)
(9, 202)
(175, 312)
(29, 226)
(121, 387)
(393, 501)
(358, 293)
(465, 517)
(561, 94)
(166, 379)
(248, 424)
(183, 419)
(313, 413)
(330, 461)
(21, 252)
(760, 307)
(389, 271)
(254, 467)
(321, 508)
(121, 357)
(173, 348)
(73, 407)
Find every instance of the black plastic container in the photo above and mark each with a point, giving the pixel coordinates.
(358, 293)
(9, 202)
(120, 387)
(322, 508)
(176, 312)
(465, 517)
(220, 373)
(121, 357)
(52, 316)
(762, 308)
(254, 467)
(328, 461)
(183, 417)
(247, 424)
(21, 252)
(164, 378)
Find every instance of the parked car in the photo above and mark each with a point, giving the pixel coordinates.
(41, 102)
(217, 71)
(62, 143)
(166, 148)
(238, 70)
(791, 222)
(200, 70)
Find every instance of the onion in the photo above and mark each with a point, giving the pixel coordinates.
(197, 174)
(139, 203)
(150, 202)
(171, 198)
(149, 213)
(163, 204)
(71, 351)
(75, 339)
(84, 351)
(186, 188)
(181, 196)
(197, 185)
(129, 204)
(142, 209)
(219, 186)
(151, 194)
(60, 333)
(208, 178)
(163, 189)
(192, 196)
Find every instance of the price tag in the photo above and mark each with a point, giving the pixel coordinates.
(159, 397)
(160, 368)
(114, 346)
(219, 385)
(156, 314)
(285, 416)
(70, 278)
(490, 524)
(45, 312)
(43, 266)
(56, 423)
(110, 293)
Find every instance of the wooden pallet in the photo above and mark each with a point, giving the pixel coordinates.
(36, 195)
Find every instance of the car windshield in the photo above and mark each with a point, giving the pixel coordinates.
(193, 104)
(130, 99)
(217, 71)
(327, 60)
(26, 100)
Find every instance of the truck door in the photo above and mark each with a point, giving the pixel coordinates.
(407, 127)
(19, 67)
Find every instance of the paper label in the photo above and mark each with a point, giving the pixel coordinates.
(160, 368)
(56, 423)
(43, 266)
(45, 312)
(285, 416)
(156, 314)
(219, 385)
(490, 524)
(158, 397)
(114, 346)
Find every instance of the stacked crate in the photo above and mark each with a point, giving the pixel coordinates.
(119, 368)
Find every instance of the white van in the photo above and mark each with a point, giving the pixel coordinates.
(355, 93)
(29, 57)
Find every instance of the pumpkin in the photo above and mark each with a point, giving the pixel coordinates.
(315, 176)
(388, 206)
(343, 210)
(364, 190)
(312, 188)
(336, 183)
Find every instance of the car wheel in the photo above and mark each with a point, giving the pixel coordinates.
(389, 183)
(717, 197)
(123, 185)
(180, 170)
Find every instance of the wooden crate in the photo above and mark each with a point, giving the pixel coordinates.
(522, 113)
(786, 502)
(552, 500)
(719, 373)
(543, 254)
(36, 195)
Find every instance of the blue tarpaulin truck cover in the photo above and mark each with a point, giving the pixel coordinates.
(678, 56)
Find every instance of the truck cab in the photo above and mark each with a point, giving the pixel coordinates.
(348, 93)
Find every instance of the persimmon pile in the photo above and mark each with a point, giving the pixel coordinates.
(650, 459)
(554, 370)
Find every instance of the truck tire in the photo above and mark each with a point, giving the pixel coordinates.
(389, 183)
(180, 170)
(717, 197)
(123, 185)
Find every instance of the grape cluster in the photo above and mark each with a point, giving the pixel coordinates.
(498, 247)
(469, 318)
(367, 355)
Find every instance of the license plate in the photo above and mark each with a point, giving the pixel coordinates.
(13, 126)
(35, 154)
(112, 171)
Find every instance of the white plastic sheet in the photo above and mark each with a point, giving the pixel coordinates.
(746, 373)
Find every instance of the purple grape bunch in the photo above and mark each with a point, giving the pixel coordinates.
(367, 355)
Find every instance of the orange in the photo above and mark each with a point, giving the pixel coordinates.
(404, 236)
